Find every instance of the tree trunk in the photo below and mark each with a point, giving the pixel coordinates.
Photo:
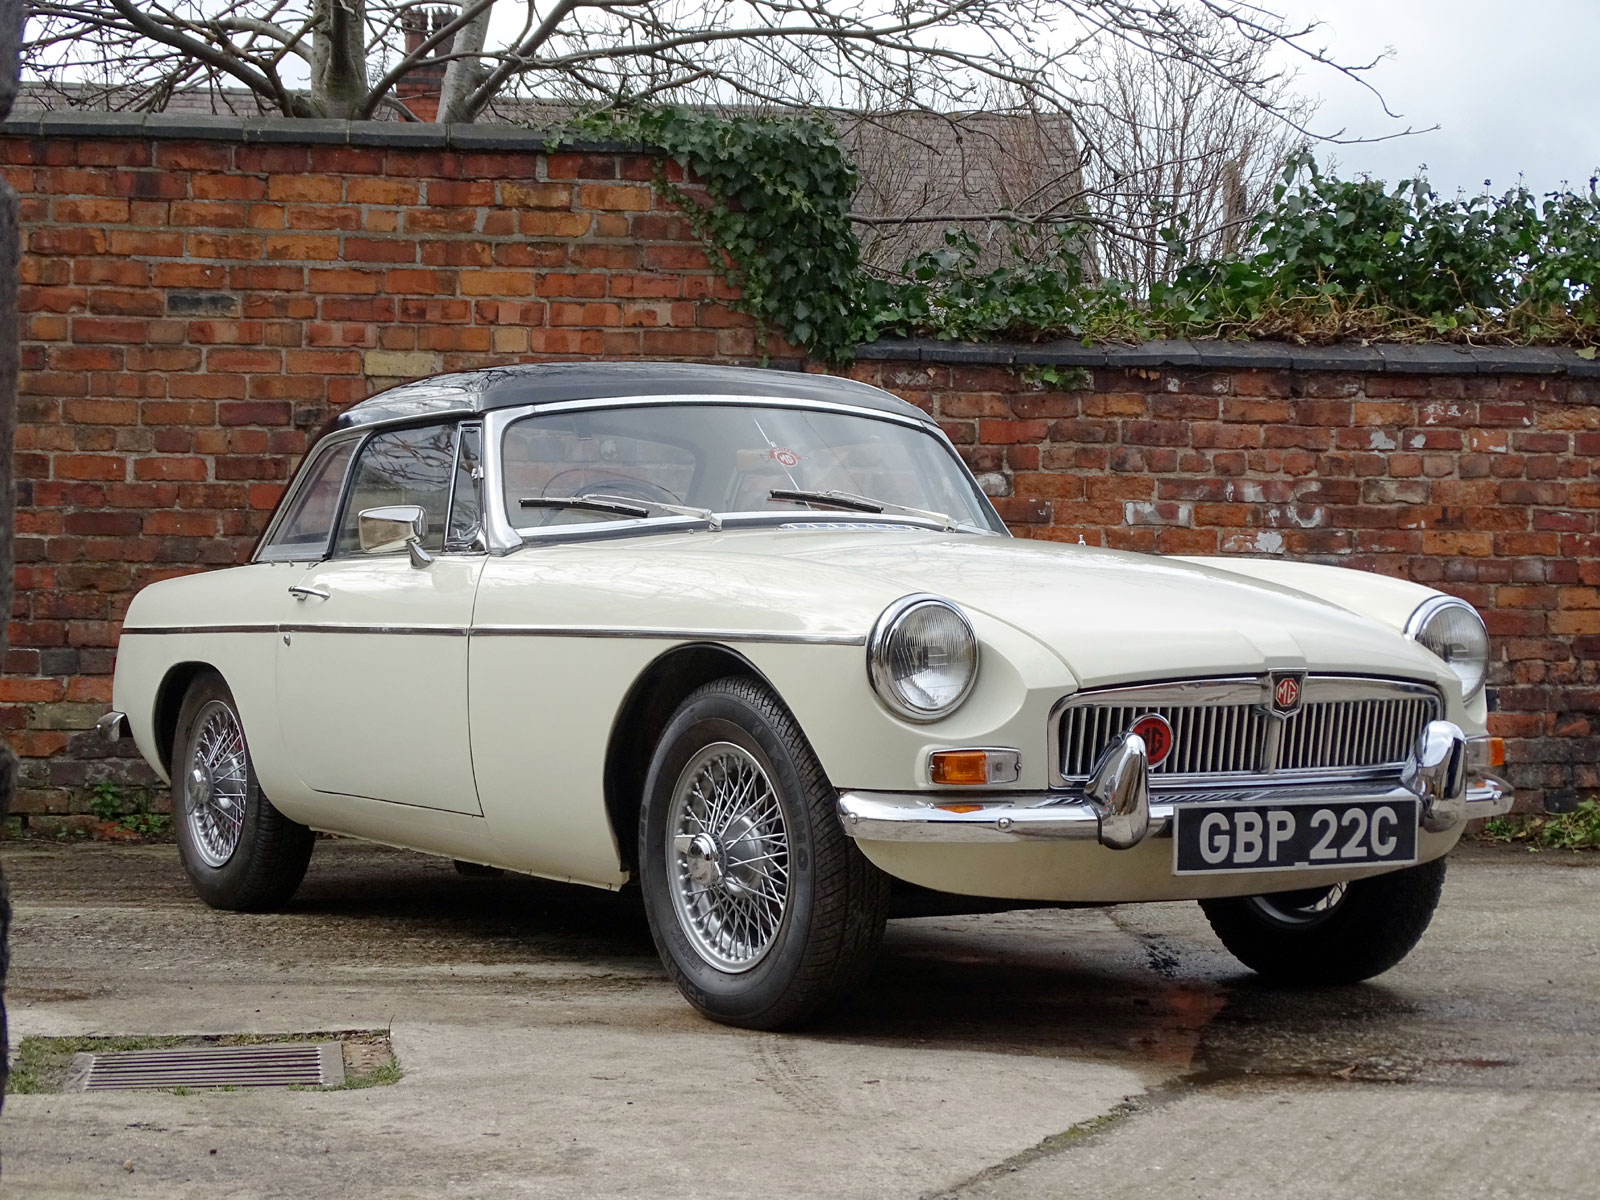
(339, 58)
(463, 75)
(11, 13)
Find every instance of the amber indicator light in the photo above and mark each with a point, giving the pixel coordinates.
(968, 767)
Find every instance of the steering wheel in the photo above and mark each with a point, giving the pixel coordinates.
(621, 486)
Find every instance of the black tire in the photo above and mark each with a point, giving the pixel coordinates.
(268, 859)
(1371, 927)
(836, 902)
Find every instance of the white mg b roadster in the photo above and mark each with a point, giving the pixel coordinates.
(756, 642)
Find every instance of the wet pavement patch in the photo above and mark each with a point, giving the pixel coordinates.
(308, 1062)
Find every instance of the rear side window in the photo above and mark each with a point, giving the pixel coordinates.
(403, 466)
(466, 504)
(302, 535)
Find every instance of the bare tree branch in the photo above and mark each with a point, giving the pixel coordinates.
(933, 55)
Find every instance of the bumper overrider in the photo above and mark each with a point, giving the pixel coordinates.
(1446, 771)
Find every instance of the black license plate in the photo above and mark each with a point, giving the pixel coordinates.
(1211, 838)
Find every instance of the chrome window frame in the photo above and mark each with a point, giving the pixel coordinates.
(317, 453)
(451, 421)
(464, 429)
(503, 538)
(1319, 688)
(360, 435)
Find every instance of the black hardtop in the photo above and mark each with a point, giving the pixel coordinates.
(555, 383)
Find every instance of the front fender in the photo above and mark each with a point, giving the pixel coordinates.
(1380, 598)
(861, 744)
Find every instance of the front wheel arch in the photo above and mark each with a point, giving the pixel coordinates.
(169, 706)
(641, 718)
(239, 851)
(733, 785)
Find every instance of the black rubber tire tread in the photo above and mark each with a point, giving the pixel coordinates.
(809, 970)
(1376, 925)
(273, 851)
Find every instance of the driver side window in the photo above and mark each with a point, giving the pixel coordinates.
(302, 534)
(402, 466)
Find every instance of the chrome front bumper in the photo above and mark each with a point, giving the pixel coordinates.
(1116, 807)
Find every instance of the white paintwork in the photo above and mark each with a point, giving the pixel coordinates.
(1380, 597)
(381, 715)
(408, 738)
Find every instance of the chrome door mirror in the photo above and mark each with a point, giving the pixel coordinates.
(384, 530)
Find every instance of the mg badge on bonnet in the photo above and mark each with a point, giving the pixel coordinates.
(1157, 735)
(1287, 688)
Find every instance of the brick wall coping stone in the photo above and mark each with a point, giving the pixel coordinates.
(1427, 359)
(299, 131)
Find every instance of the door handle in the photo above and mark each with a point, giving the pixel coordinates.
(301, 592)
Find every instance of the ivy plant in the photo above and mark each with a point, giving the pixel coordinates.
(1328, 259)
(775, 214)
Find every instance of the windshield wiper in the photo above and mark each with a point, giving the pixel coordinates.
(851, 502)
(620, 506)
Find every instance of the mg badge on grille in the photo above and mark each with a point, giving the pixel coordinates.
(1287, 687)
(1157, 735)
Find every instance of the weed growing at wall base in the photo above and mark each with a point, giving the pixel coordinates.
(1575, 830)
(109, 802)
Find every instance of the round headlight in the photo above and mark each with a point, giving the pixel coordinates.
(1454, 631)
(922, 657)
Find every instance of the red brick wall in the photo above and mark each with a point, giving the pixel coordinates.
(194, 309)
(1486, 486)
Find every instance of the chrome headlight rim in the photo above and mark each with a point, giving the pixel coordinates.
(1426, 612)
(883, 684)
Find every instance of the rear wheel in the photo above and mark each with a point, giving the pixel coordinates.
(764, 912)
(239, 851)
(1330, 935)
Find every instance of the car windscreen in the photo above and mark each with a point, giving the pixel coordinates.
(727, 458)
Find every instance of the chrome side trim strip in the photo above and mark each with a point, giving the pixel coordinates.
(704, 635)
(552, 631)
(154, 630)
(409, 630)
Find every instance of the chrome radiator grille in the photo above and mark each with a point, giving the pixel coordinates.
(1221, 727)
(1352, 733)
(1204, 740)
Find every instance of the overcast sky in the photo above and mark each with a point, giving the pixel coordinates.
(1514, 86)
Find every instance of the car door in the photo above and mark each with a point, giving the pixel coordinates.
(372, 665)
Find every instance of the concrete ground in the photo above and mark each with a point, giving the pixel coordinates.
(1100, 1053)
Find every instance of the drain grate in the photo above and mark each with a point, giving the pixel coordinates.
(273, 1065)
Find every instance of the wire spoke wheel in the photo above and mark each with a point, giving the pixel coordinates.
(727, 856)
(1330, 934)
(239, 852)
(763, 910)
(216, 784)
(1309, 906)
